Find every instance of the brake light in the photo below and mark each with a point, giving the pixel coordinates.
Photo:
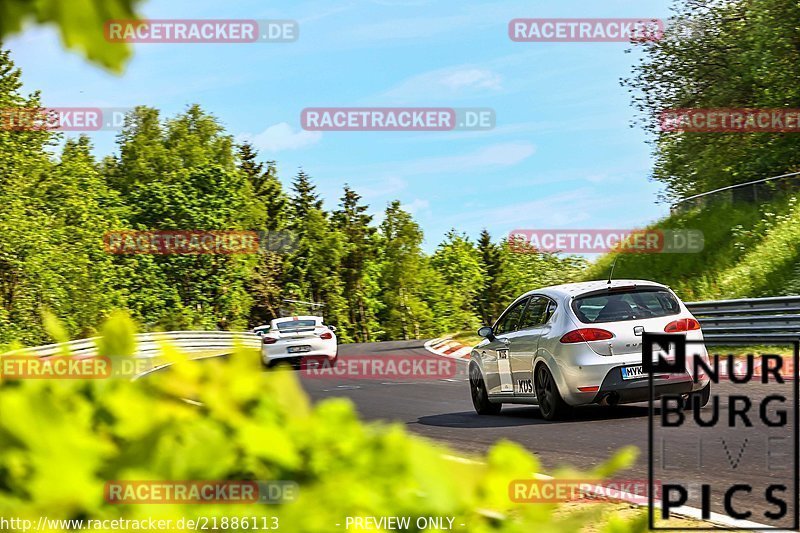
(327, 335)
(586, 334)
(682, 324)
(269, 340)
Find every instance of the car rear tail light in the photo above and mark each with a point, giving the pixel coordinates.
(327, 335)
(594, 388)
(586, 334)
(682, 324)
(269, 340)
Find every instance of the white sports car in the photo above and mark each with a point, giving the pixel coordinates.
(295, 339)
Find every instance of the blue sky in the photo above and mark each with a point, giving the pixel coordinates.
(562, 155)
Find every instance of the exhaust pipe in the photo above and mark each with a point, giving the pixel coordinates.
(611, 399)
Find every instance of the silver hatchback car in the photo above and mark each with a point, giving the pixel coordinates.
(580, 343)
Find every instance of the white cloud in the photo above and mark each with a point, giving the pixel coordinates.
(279, 137)
(551, 211)
(380, 187)
(416, 205)
(471, 77)
(496, 155)
(444, 84)
(391, 176)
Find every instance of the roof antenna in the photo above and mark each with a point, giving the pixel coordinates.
(612, 269)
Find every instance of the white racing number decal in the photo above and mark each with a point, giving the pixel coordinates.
(524, 386)
(504, 369)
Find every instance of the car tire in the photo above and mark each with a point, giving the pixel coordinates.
(551, 404)
(480, 397)
(703, 394)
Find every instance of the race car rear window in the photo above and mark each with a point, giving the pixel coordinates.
(625, 305)
(296, 324)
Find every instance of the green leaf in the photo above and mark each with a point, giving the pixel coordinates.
(81, 24)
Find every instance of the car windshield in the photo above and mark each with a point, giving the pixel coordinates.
(296, 324)
(625, 305)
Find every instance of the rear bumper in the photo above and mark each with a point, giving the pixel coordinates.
(297, 360)
(638, 390)
(579, 367)
(280, 350)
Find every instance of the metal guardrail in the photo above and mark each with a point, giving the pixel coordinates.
(749, 319)
(152, 344)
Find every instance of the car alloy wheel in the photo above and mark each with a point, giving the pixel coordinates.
(480, 397)
(551, 405)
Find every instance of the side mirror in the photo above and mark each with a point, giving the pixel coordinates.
(332, 328)
(486, 332)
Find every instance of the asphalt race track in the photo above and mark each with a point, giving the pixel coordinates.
(442, 410)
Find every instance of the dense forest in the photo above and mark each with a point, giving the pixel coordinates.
(187, 173)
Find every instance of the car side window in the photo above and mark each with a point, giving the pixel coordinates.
(510, 319)
(551, 309)
(535, 314)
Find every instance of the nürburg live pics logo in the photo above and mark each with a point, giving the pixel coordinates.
(733, 461)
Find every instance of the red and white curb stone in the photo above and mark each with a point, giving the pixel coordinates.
(447, 347)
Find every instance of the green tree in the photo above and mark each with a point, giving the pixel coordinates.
(268, 213)
(304, 198)
(352, 221)
(458, 263)
(181, 175)
(406, 315)
(738, 54)
(312, 269)
(144, 156)
(52, 217)
(488, 305)
(526, 268)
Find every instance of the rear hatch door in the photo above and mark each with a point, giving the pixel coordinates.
(626, 312)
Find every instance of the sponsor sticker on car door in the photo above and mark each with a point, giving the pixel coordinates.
(504, 370)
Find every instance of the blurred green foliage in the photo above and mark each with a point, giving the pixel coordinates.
(80, 24)
(62, 440)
